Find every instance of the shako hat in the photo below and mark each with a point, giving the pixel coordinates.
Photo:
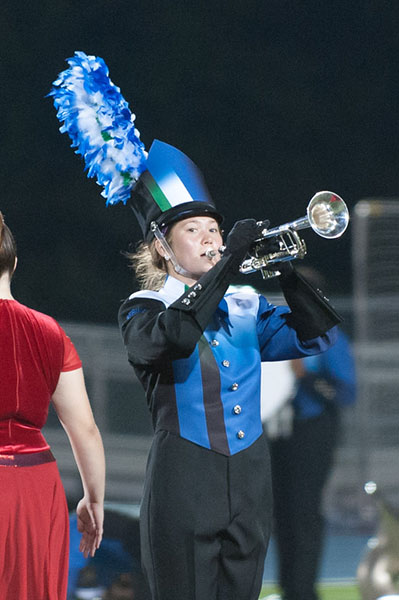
(170, 189)
(162, 186)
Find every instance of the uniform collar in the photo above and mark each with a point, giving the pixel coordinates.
(173, 288)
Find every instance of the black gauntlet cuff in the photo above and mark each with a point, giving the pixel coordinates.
(311, 312)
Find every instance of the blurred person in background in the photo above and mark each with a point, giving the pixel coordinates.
(39, 364)
(303, 435)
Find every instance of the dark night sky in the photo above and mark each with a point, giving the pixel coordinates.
(273, 100)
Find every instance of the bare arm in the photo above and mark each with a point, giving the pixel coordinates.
(74, 412)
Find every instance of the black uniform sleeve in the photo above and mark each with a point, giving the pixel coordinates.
(202, 299)
(311, 312)
(153, 333)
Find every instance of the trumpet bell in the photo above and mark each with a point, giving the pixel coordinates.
(327, 215)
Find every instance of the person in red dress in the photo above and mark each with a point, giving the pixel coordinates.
(39, 364)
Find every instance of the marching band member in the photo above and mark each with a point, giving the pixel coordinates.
(206, 510)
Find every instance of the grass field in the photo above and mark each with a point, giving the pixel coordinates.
(327, 592)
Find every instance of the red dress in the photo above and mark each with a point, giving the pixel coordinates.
(34, 524)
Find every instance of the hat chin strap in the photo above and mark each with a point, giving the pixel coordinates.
(169, 254)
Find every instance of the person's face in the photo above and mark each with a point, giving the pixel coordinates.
(190, 239)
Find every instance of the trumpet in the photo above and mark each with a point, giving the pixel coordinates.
(328, 216)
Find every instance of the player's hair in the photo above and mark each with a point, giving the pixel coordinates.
(149, 266)
(8, 249)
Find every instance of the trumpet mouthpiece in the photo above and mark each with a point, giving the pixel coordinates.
(210, 253)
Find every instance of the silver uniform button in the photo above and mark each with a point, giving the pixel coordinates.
(237, 409)
(197, 287)
(214, 343)
(186, 301)
(192, 294)
(240, 434)
(226, 363)
(234, 387)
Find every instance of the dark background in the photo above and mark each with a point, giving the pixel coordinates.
(273, 100)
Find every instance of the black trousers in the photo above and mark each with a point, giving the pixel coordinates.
(301, 464)
(205, 520)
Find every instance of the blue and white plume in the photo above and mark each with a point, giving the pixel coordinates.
(98, 120)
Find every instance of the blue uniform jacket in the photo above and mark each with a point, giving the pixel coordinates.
(202, 379)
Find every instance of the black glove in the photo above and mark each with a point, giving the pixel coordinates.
(242, 236)
(284, 266)
(271, 245)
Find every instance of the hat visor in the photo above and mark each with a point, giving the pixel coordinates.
(188, 209)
